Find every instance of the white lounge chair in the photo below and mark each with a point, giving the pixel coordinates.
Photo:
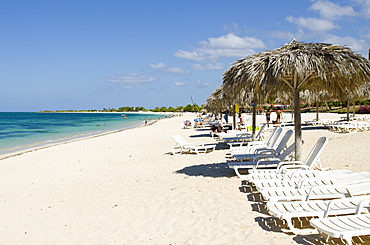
(311, 161)
(261, 161)
(347, 226)
(182, 146)
(267, 150)
(237, 137)
(252, 145)
(328, 177)
(295, 175)
(302, 209)
(358, 186)
(244, 137)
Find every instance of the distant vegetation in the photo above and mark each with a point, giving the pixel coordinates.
(187, 108)
(361, 106)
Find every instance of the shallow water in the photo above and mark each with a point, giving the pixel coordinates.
(22, 130)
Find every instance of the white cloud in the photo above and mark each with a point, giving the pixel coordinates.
(207, 67)
(352, 43)
(332, 11)
(201, 84)
(365, 7)
(224, 46)
(132, 80)
(164, 68)
(160, 65)
(232, 41)
(180, 84)
(313, 24)
(189, 55)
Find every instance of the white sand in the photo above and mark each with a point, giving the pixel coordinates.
(125, 188)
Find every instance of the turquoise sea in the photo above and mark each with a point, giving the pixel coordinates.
(23, 130)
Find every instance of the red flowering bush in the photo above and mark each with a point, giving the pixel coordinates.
(364, 109)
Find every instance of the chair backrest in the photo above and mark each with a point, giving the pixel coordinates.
(180, 140)
(274, 137)
(314, 155)
(284, 140)
(259, 134)
(287, 152)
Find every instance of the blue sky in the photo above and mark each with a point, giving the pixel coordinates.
(76, 54)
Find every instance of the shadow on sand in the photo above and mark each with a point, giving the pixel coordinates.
(215, 170)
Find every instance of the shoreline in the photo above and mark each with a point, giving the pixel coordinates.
(8, 151)
(43, 145)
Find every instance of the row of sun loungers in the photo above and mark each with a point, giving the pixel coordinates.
(336, 192)
(349, 127)
(238, 136)
(356, 124)
(334, 201)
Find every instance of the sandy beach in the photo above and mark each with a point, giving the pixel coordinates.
(126, 188)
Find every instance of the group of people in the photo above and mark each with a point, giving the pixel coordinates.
(218, 127)
(268, 116)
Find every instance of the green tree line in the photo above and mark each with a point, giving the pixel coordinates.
(187, 108)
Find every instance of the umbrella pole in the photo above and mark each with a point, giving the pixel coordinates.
(317, 111)
(297, 125)
(234, 118)
(254, 115)
(347, 110)
(354, 107)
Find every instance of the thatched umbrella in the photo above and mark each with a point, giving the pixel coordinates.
(236, 80)
(221, 100)
(298, 66)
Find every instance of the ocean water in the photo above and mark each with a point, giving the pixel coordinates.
(23, 130)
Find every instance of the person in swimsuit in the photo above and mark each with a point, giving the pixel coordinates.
(278, 115)
(268, 117)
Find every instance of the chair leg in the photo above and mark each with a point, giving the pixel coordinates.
(348, 239)
(176, 152)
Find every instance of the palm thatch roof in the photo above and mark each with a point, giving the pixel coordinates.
(296, 67)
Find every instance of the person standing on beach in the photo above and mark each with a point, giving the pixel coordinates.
(278, 115)
(268, 117)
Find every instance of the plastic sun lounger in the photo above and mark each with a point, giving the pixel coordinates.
(262, 161)
(237, 137)
(265, 150)
(295, 175)
(182, 146)
(310, 162)
(345, 176)
(242, 138)
(354, 188)
(252, 145)
(347, 226)
(312, 209)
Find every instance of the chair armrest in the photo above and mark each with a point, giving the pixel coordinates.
(362, 202)
(277, 160)
(258, 157)
(290, 163)
(361, 205)
(265, 151)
